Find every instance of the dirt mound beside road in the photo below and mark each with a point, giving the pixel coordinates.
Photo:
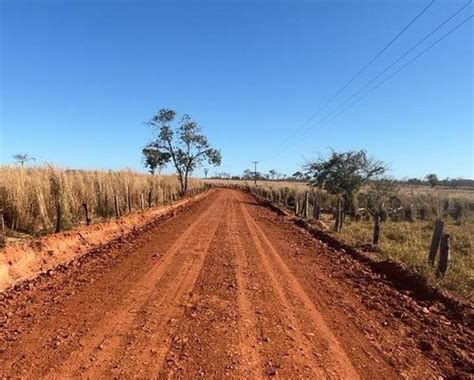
(26, 259)
(225, 287)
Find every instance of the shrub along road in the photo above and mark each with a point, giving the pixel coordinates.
(224, 287)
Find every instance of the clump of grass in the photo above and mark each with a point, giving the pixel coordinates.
(29, 196)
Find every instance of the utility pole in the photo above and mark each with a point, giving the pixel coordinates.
(255, 173)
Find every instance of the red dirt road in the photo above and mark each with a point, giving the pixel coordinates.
(224, 287)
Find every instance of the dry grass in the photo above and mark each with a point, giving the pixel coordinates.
(29, 196)
(410, 242)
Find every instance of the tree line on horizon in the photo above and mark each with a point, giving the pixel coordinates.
(431, 180)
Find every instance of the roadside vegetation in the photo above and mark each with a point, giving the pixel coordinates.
(29, 196)
(349, 193)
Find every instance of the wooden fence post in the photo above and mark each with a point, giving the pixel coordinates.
(58, 217)
(129, 201)
(306, 205)
(296, 206)
(316, 209)
(3, 239)
(411, 213)
(105, 206)
(142, 202)
(149, 198)
(377, 229)
(435, 240)
(86, 214)
(443, 256)
(337, 224)
(117, 209)
(279, 199)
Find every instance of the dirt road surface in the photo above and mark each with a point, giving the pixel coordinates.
(224, 287)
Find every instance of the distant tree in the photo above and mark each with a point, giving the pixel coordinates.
(206, 170)
(414, 181)
(298, 176)
(432, 179)
(22, 158)
(343, 174)
(272, 173)
(223, 175)
(154, 159)
(185, 143)
(248, 174)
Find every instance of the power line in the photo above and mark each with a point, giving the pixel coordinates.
(386, 69)
(391, 75)
(361, 70)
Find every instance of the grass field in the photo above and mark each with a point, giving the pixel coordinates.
(29, 196)
(403, 240)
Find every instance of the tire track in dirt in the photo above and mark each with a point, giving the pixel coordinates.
(145, 352)
(164, 285)
(207, 340)
(250, 357)
(377, 344)
(336, 363)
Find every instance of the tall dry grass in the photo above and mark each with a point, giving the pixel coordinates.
(29, 196)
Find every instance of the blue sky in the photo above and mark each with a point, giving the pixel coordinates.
(80, 78)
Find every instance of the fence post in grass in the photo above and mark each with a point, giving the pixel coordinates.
(443, 256)
(306, 205)
(149, 198)
(3, 239)
(296, 206)
(86, 214)
(316, 209)
(129, 201)
(435, 240)
(117, 209)
(142, 202)
(377, 229)
(411, 213)
(279, 199)
(338, 222)
(58, 217)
